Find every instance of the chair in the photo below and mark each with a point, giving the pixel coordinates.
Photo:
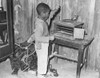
(29, 50)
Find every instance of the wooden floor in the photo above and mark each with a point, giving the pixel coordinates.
(65, 69)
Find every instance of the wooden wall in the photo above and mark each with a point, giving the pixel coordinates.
(88, 11)
(95, 47)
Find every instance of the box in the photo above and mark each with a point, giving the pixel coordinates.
(78, 33)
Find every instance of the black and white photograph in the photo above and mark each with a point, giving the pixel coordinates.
(49, 39)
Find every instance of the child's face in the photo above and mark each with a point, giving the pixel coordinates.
(45, 16)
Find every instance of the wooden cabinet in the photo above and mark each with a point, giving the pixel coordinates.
(6, 22)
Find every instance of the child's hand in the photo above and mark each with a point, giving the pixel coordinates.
(24, 44)
(55, 12)
(59, 8)
(51, 37)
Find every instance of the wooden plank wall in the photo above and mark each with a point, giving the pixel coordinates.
(88, 11)
(94, 56)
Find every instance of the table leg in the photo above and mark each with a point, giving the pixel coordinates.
(86, 56)
(50, 48)
(80, 53)
(56, 49)
(99, 73)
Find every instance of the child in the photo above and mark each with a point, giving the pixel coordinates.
(42, 38)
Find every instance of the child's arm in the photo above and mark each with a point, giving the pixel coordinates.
(31, 39)
(52, 16)
(39, 37)
(27, 42)
(54, 12)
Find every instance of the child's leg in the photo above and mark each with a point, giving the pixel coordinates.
(42, 56)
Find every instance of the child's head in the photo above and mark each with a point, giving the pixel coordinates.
(43, 10)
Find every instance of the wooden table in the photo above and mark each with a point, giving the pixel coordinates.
(67, 40)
